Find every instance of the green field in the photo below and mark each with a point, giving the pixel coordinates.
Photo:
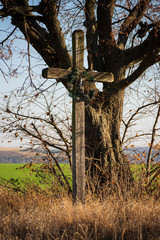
(15, 174)
(13, 170)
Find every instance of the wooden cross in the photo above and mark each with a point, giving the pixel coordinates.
(78, 110)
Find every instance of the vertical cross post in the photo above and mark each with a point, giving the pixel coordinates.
(78, 109)
(78, 121)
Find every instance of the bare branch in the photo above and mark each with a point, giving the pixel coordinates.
(38, 38)
(129, 10)
(127, 125)
(137, 136)
(123, 7)
(55, 160)
(131, 22)
(152, 141)
(94, 56)
(54, 52)
(148, 61)
(104, 14)
(152, 43)
(24, 129)
(107, 43)
(8, 36)
(23, 10)
(58, 41)
(29, 133)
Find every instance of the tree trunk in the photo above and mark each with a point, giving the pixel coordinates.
(105, 160)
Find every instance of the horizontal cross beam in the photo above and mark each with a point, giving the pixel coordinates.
(57, 73)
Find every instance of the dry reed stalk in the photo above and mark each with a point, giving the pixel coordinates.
(44, 217)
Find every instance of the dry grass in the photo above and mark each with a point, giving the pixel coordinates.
(39, 216)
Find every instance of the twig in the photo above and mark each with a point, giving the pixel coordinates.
(8, 36)
(133, 115)
(152, 141)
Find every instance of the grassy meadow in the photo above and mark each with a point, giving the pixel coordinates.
(19, 174)
(43, 215)
(12, 170)
(16, 171)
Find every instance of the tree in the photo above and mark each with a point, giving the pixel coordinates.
(122, 37)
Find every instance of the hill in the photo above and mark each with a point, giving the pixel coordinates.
(12, 155)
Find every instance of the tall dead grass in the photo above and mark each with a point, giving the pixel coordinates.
(40, 216)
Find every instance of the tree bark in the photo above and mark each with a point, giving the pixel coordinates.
(105, 159)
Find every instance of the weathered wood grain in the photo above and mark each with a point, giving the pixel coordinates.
(78, 123)
(57, 73)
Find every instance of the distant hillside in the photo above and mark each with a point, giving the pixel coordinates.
(10, 155)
